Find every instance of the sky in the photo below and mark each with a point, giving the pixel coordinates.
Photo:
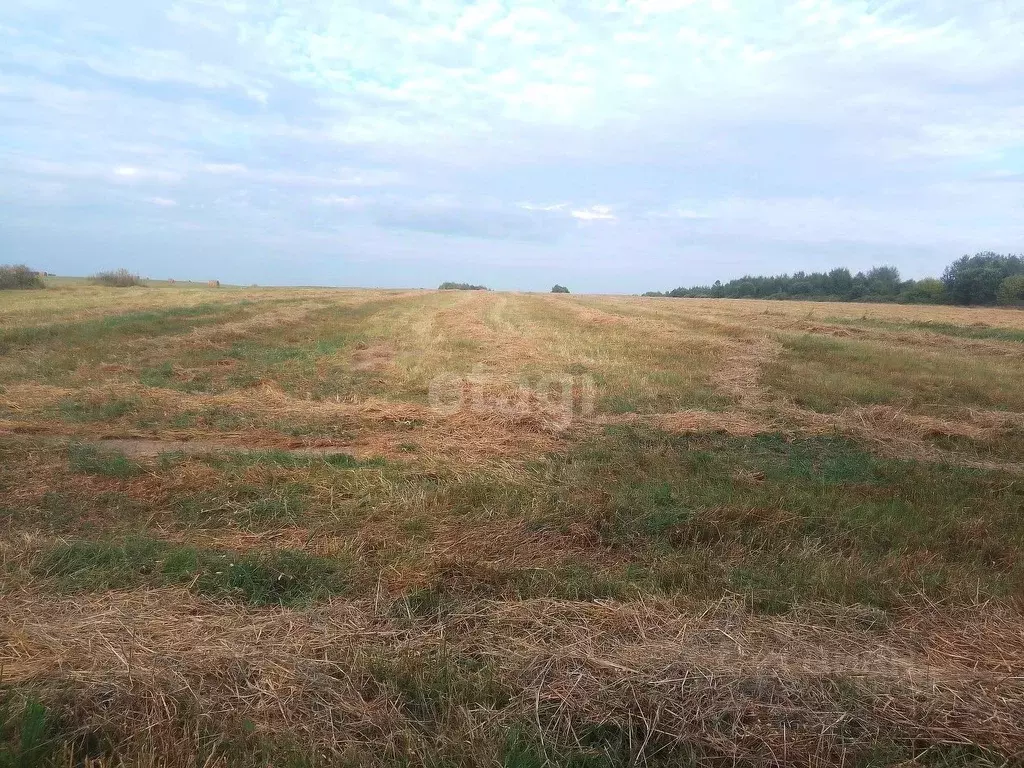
(608, 145)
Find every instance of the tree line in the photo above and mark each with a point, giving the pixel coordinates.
(450, 286)
(983, 279)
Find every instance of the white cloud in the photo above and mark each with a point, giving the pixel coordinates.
(339, 200)
(163, 202)
(542, 206)
(807, 121)
(225, 169)
(594, 213)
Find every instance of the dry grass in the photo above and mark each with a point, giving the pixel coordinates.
(443, 649)
(795, 691)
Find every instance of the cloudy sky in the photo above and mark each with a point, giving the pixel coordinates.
(610, 145)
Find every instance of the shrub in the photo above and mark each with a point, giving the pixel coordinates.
(1011, 290)
(449, 286)
(118, 278)
(559, 289)
(19, 276)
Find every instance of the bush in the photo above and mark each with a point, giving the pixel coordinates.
(118, 278)
(19, 276)
(461, 287)
(1011, 291)
(559, 289)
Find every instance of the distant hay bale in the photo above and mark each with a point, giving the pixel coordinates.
(214, 283)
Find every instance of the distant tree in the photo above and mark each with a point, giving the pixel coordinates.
(19, 276)
(559, 289)
(976, 279)
(1011, 291)
(926, 291)
(461, 287)
(746, 289)
(880, 283)
(840, 282)
(883, 282)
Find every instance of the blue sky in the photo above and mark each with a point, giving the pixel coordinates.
(609, 145)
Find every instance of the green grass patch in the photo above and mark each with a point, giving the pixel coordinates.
(28, 734)
(784, 520)
(130, 324)
(285, 577)
(244, 505)
(102, 410)
(90, 460)
(291, 459)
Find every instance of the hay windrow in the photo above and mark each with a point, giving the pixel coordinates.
(684, 674)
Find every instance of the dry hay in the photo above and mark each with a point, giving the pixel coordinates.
(794, 690)
(690, 422)
(592, 316)
(917, 338)
(144, 448)
(897, 433)
(507, 350)
(377, 427)
(738, 374)
(212, 337)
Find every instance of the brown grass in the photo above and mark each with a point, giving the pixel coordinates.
(803, 690)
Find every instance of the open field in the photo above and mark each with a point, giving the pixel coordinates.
(404, 528)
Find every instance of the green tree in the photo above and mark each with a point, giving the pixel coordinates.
(883, 281)
(926, 291)
(559, 289)
(975, 279)
(1011, 290)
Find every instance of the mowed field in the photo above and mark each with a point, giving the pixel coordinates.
(299, 527)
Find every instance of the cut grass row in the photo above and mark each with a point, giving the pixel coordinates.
(436, 697)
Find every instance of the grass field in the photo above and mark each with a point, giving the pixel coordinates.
(299, 527)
